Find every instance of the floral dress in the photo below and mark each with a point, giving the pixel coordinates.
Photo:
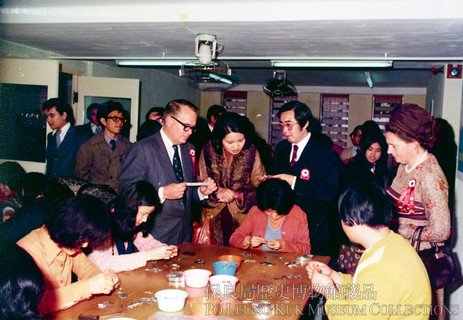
(421, 199)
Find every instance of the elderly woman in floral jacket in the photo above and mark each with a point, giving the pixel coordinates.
(233, 162)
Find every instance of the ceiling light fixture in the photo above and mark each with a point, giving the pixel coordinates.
(369, 79)
(154, 63)
(331, 63)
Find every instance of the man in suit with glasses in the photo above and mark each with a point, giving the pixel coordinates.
(306, 161)
(167, 161)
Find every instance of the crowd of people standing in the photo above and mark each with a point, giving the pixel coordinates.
(144, 194)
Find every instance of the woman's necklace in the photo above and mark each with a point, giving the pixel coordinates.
(409, 168)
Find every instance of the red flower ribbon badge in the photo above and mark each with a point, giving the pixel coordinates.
(192, 153)
(305, 174)
(406, 201)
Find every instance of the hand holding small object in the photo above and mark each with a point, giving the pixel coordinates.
(103, 282)
(209, 186)
(276, 244)
(174, 191)
(257, 241)
(225, 195)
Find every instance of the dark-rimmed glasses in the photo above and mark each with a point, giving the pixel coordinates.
(186, 127)
(117, 119)
(287, 125)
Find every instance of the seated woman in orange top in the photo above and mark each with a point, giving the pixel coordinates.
(276, 223)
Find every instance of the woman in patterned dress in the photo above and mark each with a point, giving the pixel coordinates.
(420, 189)
(233, 162)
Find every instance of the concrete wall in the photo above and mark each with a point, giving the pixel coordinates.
(435, 94)
(209, 98)
(156, 87)
(258, 111)
(452, 111)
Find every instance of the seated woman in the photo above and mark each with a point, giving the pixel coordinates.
(21, 285)
(131, 246)
(390, 281)
(276, 223)
(56, 247)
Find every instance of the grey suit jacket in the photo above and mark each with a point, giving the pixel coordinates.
(98, 164)
(61, 161)
(149, 161)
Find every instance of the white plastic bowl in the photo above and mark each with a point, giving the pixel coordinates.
(171, 300)
(196, 278)
(223, 284)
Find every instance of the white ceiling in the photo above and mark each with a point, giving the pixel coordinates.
(415, 34)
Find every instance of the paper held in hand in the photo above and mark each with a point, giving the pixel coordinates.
(195, 184)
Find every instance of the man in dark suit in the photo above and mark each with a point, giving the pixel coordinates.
(93, 126)
(99, 159)
(153, 160)
(64, 142)
(311, 169)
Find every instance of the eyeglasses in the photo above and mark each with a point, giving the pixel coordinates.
(117, 119)
(287, 125)
(186, 127)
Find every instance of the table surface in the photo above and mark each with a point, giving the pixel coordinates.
(287, 288)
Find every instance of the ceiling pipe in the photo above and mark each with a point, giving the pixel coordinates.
(249, 58)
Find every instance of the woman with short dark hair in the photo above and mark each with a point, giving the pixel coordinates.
(21, 285)
(276, 223)
(390, 281)
(56, 247)
(130, 245)
(234, 163)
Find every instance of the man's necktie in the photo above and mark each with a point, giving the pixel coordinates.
(58, 138)
(113, 144)
(294, 155)
(177, 165)
(97, 130)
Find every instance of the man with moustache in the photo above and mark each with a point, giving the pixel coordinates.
(166, 160)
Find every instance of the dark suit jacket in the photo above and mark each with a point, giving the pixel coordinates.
(61, 161)
(315, 195)
(85, 130)
(98, 164)
(148, 160)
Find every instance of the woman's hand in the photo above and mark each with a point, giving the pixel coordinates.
(163, 252)
(276, 244)
(104, 282)
(320, 267)
(324, 279)
(257, 241)
(225, 195)
(210, 186)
